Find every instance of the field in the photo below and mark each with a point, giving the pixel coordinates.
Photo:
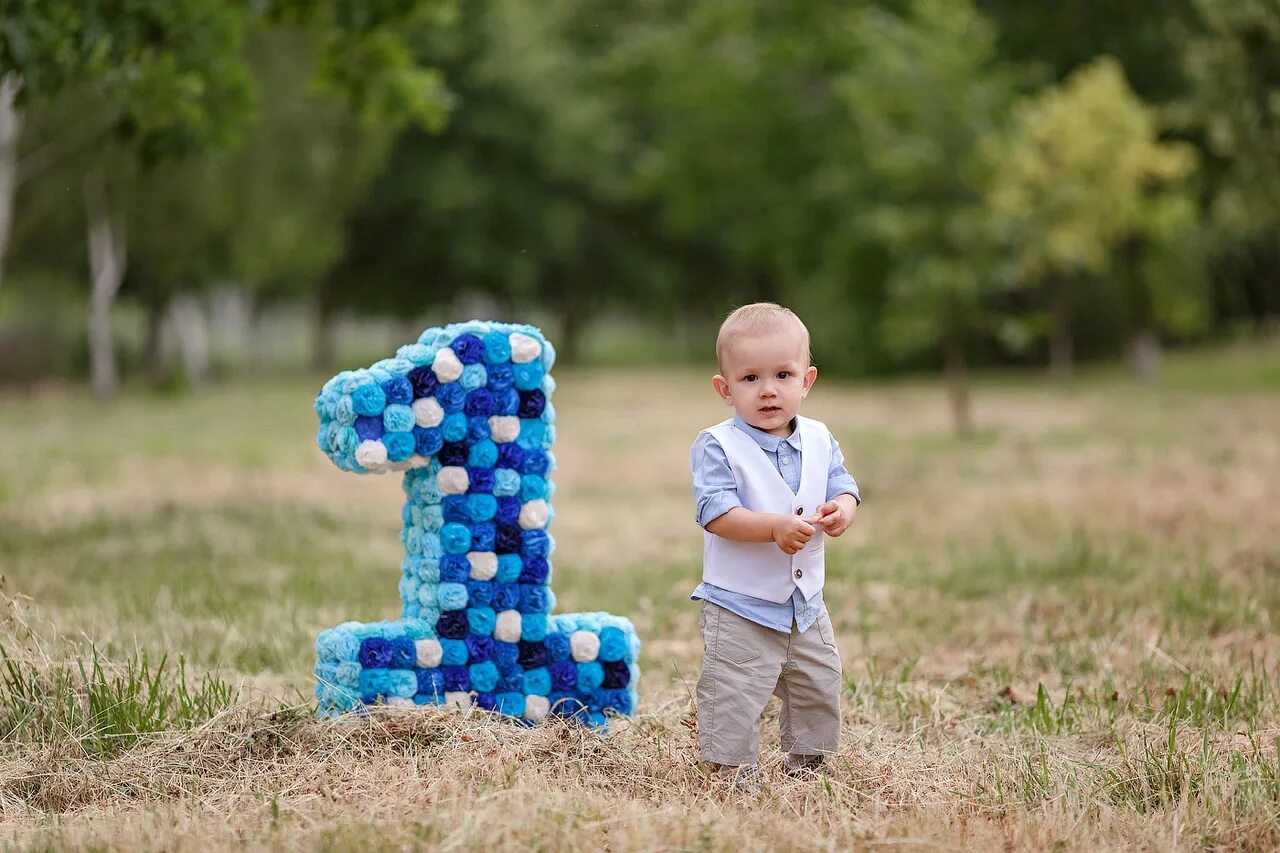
(1061, 632)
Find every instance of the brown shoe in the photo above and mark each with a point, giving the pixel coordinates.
(744, 779)
(803, 766)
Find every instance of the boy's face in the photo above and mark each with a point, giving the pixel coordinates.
(765, 377)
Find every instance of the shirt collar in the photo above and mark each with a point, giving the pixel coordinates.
(768, 441)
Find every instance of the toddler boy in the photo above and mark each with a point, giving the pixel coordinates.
(769, 485)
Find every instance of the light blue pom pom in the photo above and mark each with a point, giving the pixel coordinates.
(537, 682)
(509, 568)
(511, 704)
(532, 432)
(533, 627)
(432, 518)
(473, 376)
(408, 588)
(452, 596)
(506, 482)
(481, 507)
(368, 400)
(419, 629)
(347, 675)
(397, 418)
(528, 376)
(455, 538)
(483, 454)
(344, 411)
(613, 644)
(497, 347)
(590, 676)
(532, 488)
(399, 445)
(481, 620)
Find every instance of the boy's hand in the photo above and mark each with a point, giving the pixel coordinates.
(792, 533)
(835, 516)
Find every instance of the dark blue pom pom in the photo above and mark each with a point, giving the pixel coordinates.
(455, 508)
(479, 648)
(469, 348)
(564, 675)
(508, 510)
(369, 429)
(616, 675)
(451, 396)
(454, 568)
(375, 652)
(456, 678)
(479, 593)
(481, 481)
(511, 682)
(487, 701)
(427, 440)
(531, 404)
(477, 428)
(403, 653)
(506, 402)
(533, 655)
(430, 682)
(506, 656)
(506, 596)
(535, 570)
(424, 382)
(533, 598)
(507, 540)
(453, 453)
(535, 463)
(452, 624)
(510, 455)
(398, 390)
(557, 644)
(501, 377)
(482, 536)
(614, 700)
(479, 403)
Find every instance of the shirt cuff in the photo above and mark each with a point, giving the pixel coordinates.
(717, 505)
(843, 485)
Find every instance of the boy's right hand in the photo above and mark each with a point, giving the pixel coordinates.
(792, 533)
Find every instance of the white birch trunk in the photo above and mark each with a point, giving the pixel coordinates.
(10, 128)
(106, 270)
(190, 335)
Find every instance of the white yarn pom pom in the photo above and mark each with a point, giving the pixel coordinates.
(536, 708)
(503, 429)
(429, 653)
(417, 460)
(484, 565)
(372, 455)
(533, 515)
(453, 480)
(584, 645)
(524, 348)
(457, 699)
(399, 701)
(427, 412)
(507, 628)
(402, 465)
(446, 366)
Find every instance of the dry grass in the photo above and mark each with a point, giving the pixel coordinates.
(1061, 632)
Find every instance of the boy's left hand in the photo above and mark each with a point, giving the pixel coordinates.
(835, 516)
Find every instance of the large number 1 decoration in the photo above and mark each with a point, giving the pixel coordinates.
(466, 414)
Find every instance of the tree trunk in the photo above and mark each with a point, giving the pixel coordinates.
(1144, 344)
(188, 323)
(957, 373)
(154, 352)
(1144, 355)
(573, 322)
(10, 128)
(1061, 342)
(106, 269)
(325, 354)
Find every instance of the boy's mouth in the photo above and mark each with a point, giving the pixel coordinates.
(769, 410)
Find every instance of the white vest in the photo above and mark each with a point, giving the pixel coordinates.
(762, 569)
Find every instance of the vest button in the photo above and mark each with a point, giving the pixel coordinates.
(799, 573)
(799, 510)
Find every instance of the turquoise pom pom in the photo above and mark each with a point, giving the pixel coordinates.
(484, 676)
(399, 445)
(532, 488)
(497, 348)
(613, 644)
(455, 653)
(510, 703)
(473, 376)
(509, 568)
(528, 376)
(368, 400)
(537, 682)
(483, 454)
(454, 427)
(397, 418)
(455, 538)
(533, 627)
(590, 676)
(506, 482)
(481, 620)
(532, 432)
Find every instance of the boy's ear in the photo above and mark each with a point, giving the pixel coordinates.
(810, 376)
(721, 385)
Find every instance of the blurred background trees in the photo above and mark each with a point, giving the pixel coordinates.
(934, 185)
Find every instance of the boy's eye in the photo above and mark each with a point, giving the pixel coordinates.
(750, 377)
(784, 374)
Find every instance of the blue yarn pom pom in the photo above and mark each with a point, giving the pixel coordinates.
(613, 644)
(501, 378)
(452, 624)
(481, 479)
(456, 678)
(535, 570)
(398, 391)
(403, 653)
(508, 538)
(454, 427)
(481, 536)
(532, 404)
(430, 683)
(424, 381)
(506, 402)
(368, 400)
(533, 598)
(511, 703)
(481, 620)
(536, 462)
(375, 652)
(536, 543)
(508, 511)
(369, 429)
(510, 567)
(533, 653)
(469, 348)
(484, 676)
(506, 655)
(473, 377)
(506, 596)
(537, 682)
(456, 509)
(455, 652)
(399, 445)
(479, 403)
(479, 593)
(557, 643)
(427, 440)
(617, 674)
(533, 626)
(451, 396)
(532, 433)
(477, 432)
(397, 418)
(564, 675)
(528, 376)
(480, 507)
(497, 348)
(453, 453)
(510, 455)
(506, 482)
(532, 488)
(456, 538)
(479, 648)
(452, 596)
(590, 676)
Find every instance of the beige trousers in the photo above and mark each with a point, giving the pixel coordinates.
(744, 664)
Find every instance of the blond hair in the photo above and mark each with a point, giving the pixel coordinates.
(757, 318)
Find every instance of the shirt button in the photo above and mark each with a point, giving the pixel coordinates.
(799, 573)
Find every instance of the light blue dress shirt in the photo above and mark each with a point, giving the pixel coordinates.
(716, 492)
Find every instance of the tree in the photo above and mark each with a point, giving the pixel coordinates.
(1081, 176)
(924, 96)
